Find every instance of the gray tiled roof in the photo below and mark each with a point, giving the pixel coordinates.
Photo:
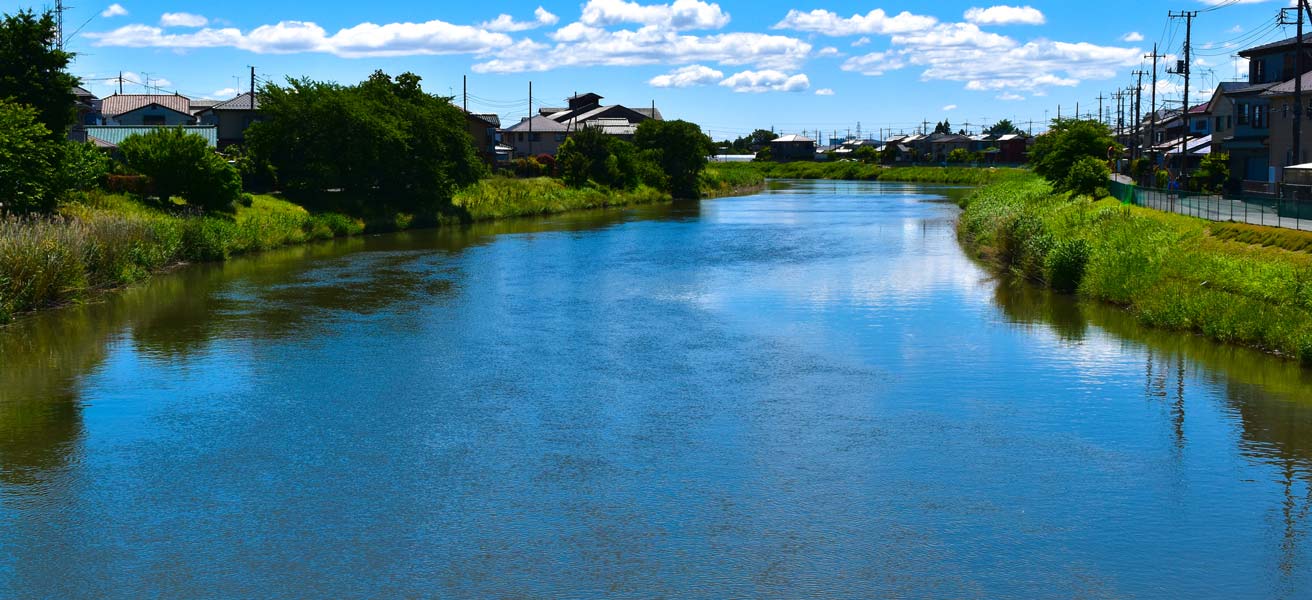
(540, 125)
(245, 101)
(124, 103)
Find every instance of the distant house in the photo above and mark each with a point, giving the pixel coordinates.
(87, 106)
(1281, 142)
(232, 117)
(1012, 148)
(792, 147)
(484, 129)
(108, 137)
(148, 110)
(942, 144)
(539, 135)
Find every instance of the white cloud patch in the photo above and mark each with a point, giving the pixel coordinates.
(182, 19)
(581, 45)
(874, 22)
(225, 93)
(689, 76)
(949, 108)
(824, 92)
(829, 51)
(864, 41)
(1133, 36)
(507, 23)
(1005, 15)
(681, 15)
(757, 82)
(874, 64)
(1011, 97)
(114, 10)
(287, 37)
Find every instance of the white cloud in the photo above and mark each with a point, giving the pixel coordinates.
(1133, 36)
(829, 51)
(824, 92)
(114, 10)
(874, 64)
(874, 22)
(766, 81)
(689, 76)
(681, 15)
(182, 19)
(861, 42)
(505, 22)
(1010, 97)
(1005, 15)
(949, 108)
(225, 93)
(588, 46)
(287, 37)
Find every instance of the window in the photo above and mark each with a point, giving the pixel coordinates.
(1200, 125)
(152, 120)
(1258, 74)
(1241, 109)
(1259, 117)
(1284, 110)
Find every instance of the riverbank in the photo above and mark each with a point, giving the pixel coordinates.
(858, 171)
(100, 242)
(1170, 271)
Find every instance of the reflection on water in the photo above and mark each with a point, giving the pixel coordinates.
(807, 393)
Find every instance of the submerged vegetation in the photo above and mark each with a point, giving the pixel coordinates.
(1170, 271)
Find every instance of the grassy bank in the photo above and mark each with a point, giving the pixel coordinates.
(106, 241)
(1168, 270)
(503, 197)
(857, 171)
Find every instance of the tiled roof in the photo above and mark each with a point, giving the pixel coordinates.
(82, 92)
(540, 125)
(1287, 87)
(1247, 52)
(651, 113)
(118, 104)
(246, 101)
(791, 138)
(114, 134)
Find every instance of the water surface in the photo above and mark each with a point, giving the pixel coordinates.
(811, 392)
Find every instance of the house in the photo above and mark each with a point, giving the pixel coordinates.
(535, 136)
(232, 118)
(87, 106)
(483, 128)
(1012, 148)
(1223, 113)
(792, 147)
(1280, 143)
(942, 144)
(148, 110)
(1276, 62)
(1248, 141)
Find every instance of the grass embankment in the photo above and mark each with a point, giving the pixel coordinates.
(1170, 271)
(858, 171)
(503, 197)
(107, 241)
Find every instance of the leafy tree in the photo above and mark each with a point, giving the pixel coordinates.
(182, 164)
(765, 155)
(959, 155)
(589, 156)
(1069, 140)
(384, 139)
(1213, 173)
(27, 160)
(33, 71)
(81, 166)
(866, 154)
(680, 149)
(1003, 127)
(943, 127)
(1087, 175)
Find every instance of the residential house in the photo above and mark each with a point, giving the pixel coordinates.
(1248, 142)
(1013, 148)
(484, 129)
(148, 110)
(535, 136)
(942, 144)
(233, 117)
(1280, 143)
(1276, 62)
(87, 106)
(1222, 109)
(792, 147)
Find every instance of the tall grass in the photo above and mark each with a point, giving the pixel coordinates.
(722, 179)
(501, 197)
(1168, 270)
(109, 241)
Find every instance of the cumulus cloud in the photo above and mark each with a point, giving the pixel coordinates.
(1133, 36)
(1010, 96)
(681, 15)
(861, 42)
(874, 22)
(1005, 15)
(286, 37)
(949, 108)
(829, 51)
(588, 46)
(114, 10)
(506, 23)
(824, 92)
(227, 92)
(182, 19)
(757, 82)
(689, 76)
(874, 64)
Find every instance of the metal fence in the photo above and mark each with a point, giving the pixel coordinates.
(1272, 212)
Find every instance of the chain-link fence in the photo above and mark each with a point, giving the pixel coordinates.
(1256, 210)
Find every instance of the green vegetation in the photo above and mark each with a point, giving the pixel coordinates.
(1170, 271)
(1212, 174)
(679, 149)
(856, 171)
(182, 164)
(723, 179)
(501, 197)
(1272, 237)
(106, 241)
(1056, 153)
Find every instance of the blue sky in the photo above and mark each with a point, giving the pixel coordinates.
(730, 66)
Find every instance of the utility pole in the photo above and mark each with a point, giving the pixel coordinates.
(1100, 99)
(252, 82)
(464, 92)
(1137, 151)
(530, 118)
(1183, 69)
(1152, 107)
(1297, 158)
(120, 83)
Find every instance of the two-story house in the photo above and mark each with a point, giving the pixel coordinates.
(232, 118)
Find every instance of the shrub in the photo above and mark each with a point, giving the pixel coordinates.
(182, 164)
(27, 161)
(1056, 152)
(1086, 176)
(1064, 266)
(959, 155)
(82, 166)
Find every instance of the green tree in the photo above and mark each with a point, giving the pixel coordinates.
(944, 127)
(959, 155)
(33, 71)
(81, 166)
(27, 160)
(1212, 174)
(385, 140)
(866, 154)
(182, 164)
(1087, 175)
(1069, 140)
(680, 149)
(1003, 127)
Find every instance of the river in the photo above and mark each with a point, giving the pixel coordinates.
(811, 392)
